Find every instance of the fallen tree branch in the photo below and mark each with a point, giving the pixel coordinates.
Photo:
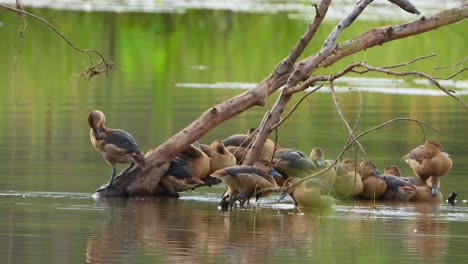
(302, 70)
(145, 182)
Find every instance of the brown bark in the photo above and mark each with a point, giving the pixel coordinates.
(146, 181)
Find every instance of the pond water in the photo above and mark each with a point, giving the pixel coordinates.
(171, 67)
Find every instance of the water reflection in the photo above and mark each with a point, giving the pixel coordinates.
(182, 231)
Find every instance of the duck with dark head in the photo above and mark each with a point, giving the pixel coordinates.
(116, 146)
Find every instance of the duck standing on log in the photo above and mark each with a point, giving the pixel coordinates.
(116, 146)
(429, 161)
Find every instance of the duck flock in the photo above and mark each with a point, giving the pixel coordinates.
(311, 181)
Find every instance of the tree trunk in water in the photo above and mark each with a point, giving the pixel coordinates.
(145, 182)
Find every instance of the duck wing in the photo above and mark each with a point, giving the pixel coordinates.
(122, 139)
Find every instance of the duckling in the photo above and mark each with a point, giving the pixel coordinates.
(311, 193)
(292, 163)
(115, 145)
(178, 178)
(243, 181)
(429, 161)
(348, 180)
(238, 145)
(374, 183)
(317, 156)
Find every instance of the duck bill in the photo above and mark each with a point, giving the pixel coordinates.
(321, 162)
(275, 173)
(96, 131)
(435, 181)
(282, 196)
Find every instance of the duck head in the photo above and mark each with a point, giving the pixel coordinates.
(316, 155)
(96, 121)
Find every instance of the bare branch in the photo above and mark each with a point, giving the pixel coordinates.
(300, 73)
(367, 68)
(340, 113)
(91, 71)
(275, 126)
(452, 65)
(408, 62)
(453, 75)
(406, 5)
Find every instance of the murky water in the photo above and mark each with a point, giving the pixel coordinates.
(170, 68)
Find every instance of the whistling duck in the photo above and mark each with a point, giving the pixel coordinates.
(429, 161)
(398, 189)
(115, 145)
(317, 156)
(292, 163)
(219, 156)
(348, 180)
(243, 181)
(392, 170)
(238, 145)
(312, 193)
(178, 178)
(374, 183)
(423, 192)
(197, 160)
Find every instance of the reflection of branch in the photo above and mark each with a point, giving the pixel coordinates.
(91, 71)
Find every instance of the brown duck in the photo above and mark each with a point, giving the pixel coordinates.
(429, 161)
(116, 146)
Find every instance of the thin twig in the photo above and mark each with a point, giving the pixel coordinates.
(452, 65)
(90, 71)
(367, 68)
(340, 113)
(453, 75)
(408, 62)
(294, 107)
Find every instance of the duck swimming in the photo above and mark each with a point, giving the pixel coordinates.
(429, 161)
(116, 146)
